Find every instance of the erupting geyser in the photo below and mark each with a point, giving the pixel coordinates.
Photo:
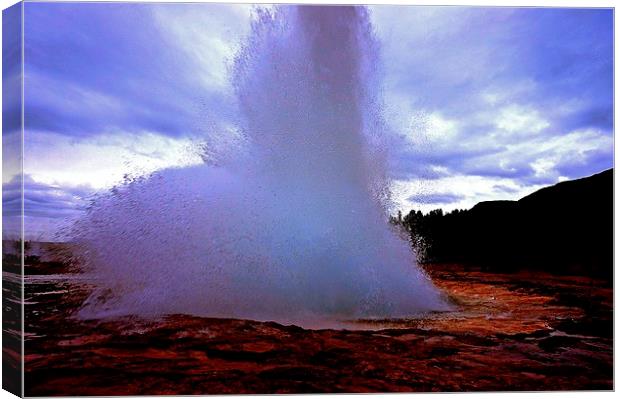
(290, 224)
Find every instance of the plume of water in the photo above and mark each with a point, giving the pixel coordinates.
(288, 224)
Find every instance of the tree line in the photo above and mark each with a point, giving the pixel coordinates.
(566, 228)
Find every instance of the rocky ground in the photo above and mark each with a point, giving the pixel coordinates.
(523, 331)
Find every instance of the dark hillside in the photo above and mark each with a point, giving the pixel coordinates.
(565, 228)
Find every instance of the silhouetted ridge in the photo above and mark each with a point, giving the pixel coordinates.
(565, 228)
(494, 206)
(592, 190)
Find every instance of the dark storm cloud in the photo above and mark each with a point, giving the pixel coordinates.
(98, 67)
(11, 69)
(504, 188)
(434, 163)
(42, 200)
(595, 160)
(552, 68)
(565, 53)
(436, 198)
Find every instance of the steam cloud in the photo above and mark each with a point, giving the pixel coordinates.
(290, 222)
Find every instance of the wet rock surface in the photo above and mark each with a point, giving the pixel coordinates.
(523, 331)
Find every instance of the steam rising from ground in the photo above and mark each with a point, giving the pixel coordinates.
(286, 224)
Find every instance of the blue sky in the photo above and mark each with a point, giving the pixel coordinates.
(484, 103)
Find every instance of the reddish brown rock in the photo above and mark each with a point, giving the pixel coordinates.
(526, 331)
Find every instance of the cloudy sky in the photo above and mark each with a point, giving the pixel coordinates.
(488, 103)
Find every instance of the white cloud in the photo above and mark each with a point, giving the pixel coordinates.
(210, 34)
(496, 95)
(429, 129)
(520, 120)
(102, 161)
(440, 128)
